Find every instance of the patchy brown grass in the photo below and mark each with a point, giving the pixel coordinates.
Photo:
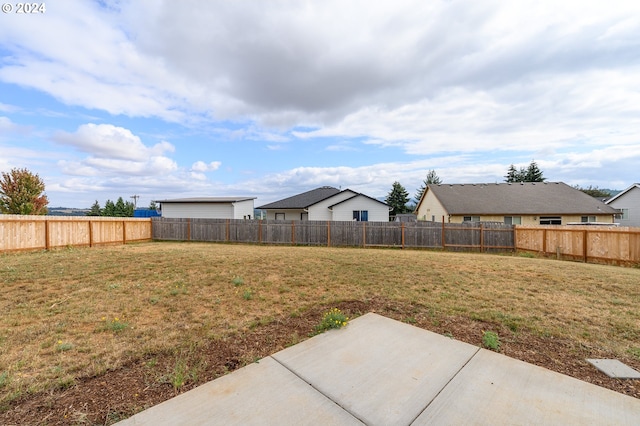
(68, 315)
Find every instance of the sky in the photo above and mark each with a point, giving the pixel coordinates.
(267, 99)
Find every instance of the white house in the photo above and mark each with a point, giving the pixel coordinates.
(208, 208)
(328, 203)
(628, 202)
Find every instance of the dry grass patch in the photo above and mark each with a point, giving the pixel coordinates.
(80, 312)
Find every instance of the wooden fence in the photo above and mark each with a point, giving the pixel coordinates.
(44, 232)
(594, 244)
(467, 236)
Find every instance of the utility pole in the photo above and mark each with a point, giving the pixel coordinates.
(135, 200)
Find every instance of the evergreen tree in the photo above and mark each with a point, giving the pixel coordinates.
(534, 174)
(152, 205)
(432, 178)
(397, 199)
(530, 174)
(95, 210)
(109, 209)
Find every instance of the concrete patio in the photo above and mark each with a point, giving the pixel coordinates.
(378, 371)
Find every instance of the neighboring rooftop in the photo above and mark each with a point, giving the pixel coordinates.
(304, 200)
(206, 200)
(517, 198)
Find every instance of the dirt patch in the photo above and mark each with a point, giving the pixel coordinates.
(145, 382)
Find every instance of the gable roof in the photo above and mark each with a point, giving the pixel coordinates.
(304, 200)
(619, 194)
(533, 198)
(206, 200)
(355, 195)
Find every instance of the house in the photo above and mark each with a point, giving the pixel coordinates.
(328, 203)
(524, 203)
(627, 203)
(208, 207)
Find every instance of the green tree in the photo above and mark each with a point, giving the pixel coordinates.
(21, 192)
(534, 174)
(531, 174)
(397, 199)
(431, 179)
(109, 209)
(95, 210)
(594, 191)
(153, 205)
(514, 175)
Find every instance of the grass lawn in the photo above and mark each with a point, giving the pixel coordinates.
(75, 313)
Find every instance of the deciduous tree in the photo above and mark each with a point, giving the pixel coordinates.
(22, 192)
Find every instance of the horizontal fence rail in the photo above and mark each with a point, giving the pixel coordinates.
(19, 232)
(594, 244)
(467, 236)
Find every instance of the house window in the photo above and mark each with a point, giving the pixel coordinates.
(361, 215)
(588, 219)
(513, 220)
(471, 219)
(279, 216)
(625, 214)
(304, 216)
(550, 220)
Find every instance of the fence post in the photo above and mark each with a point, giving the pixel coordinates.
(46, 234)
(328, 233)
(364, 234)
(260, 232)
(544, 241)
(90, 222)
(227, 232)
(585, 235)
(124, 232)
(402, 227)
(444, 243)
(189, 229)
(293, 232)
(481, 238)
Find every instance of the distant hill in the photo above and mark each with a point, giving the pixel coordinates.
(66, 211)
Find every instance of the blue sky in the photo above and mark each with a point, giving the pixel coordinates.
(167, 99)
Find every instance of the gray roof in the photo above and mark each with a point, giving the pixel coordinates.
(207, 200)
(304, 200)
(532, 198)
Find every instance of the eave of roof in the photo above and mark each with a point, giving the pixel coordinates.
(620, 194)
(206, 200)
(303, 200)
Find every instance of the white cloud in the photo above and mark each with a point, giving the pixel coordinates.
(108, 141)
(201, 166)
(114, 151)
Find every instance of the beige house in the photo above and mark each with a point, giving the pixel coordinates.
(526, 203)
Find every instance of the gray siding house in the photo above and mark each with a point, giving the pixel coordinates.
(208, 208)
(628, 203)
(328, 203)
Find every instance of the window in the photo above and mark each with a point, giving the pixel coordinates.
(550, 220)
(588, 219)
(471, 219)
(279, 216)
(625, 214)
(361, 215)
(304, 216)
(513, 220)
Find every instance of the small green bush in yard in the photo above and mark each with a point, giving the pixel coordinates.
(490, 340)
(237, 281)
